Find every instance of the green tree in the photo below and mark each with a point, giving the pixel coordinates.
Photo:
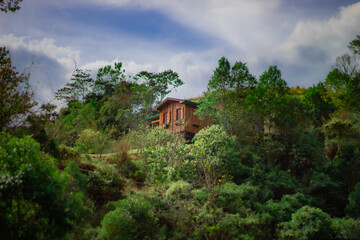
(346, 229)
(91, 141)
(37, 122)
(33, 202)
(229, 78)
(307, 223)
(16, 97)
(78, 88)
(318, 104)
(117, 114)
(132, 219)
(225, 95)
(108, 78)
(354, 45)
(153, 87)
(264, 101)
(343, 89)
(353, 208)
(71, 122)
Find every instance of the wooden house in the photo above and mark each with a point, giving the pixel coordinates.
(178, 116)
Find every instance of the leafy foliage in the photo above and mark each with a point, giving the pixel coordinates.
(9, 5)
(32, 199)
(78, 88)
(16, 99)
(307, 223)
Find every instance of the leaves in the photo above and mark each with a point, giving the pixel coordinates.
(16, 96)
(78, 88)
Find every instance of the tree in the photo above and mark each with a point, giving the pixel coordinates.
(226, 78)
(353, 208)
(347, 64)
(16, 97)
(71, 122)
(343, 89)
(307, 223)
(92, 141)
(33, 201)
(343, 82)
(78, 88)
(354, 45)
(318, 104)
(9, 5)
(153, 87)
(225, 96)
(117, 113)
(264, 101)
(108, 78)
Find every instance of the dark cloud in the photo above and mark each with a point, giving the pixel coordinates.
(46, 74)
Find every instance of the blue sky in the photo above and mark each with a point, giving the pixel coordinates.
(189, 36)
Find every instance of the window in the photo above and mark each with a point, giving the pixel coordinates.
(165, 118)
(178, 114)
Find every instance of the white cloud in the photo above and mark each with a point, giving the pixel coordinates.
(329, 38)
(241, 23)
(65, 56)
(51, 66)
(258, 32)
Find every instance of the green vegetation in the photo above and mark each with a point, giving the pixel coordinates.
(278, 162)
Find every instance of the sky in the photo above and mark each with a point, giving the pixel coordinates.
(302, 37)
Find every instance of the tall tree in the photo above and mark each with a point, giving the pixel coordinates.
(354, 45)
(347, 64)
(78, 88)
(16, 97)
(153, 87)
(230, 78)
(108, 78)
(9, 5)
(117, 114)
(224, 99)
(264, 100)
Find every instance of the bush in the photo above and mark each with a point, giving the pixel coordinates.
(353, 208)
(33, 203)
(68, 154)
(346, 229)
(307, 223)
(178, 189)
(91, 141)
(282, 210)
(132, 219)
(163, 151)
(105, 184)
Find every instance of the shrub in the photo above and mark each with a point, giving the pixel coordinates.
(281, 211)
(178, 189)
(346, 229)
(91, 141)
(212, 150)
(68, 154)
(353, 208)
(132, 219)
(235, 198)
(105, 184)
(307, 223)
(33, 203)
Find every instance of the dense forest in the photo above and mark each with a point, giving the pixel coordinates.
(278, 162)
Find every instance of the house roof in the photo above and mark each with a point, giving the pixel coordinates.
(174, 100)
(154, 116)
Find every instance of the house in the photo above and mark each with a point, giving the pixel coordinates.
(178, 116)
